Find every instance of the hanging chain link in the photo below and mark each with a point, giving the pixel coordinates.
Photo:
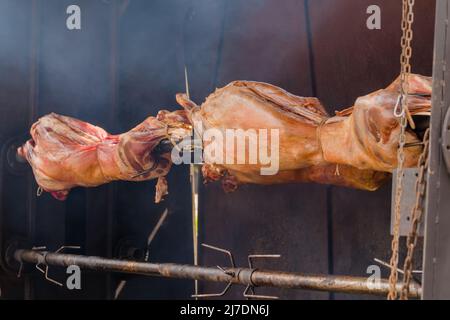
(416, 214)
(404, 115)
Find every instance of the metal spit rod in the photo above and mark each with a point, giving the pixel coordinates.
(242, 276)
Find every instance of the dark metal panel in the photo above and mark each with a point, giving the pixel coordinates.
(350, 61)
(15, 69)
(437, 223)
(202, 42)
(74, 79)
(151, 72)
(266, 41)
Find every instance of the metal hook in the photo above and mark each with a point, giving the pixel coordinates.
(227, 272)
(45, 272)
(19, 272)
(154, 231)
(414, 144)
(214, 295)
(255, 296)
(62, 248)
(227, 252)
(43, 266)
(141, 173)
(150, 238)
(261, 256)
(398, 104)
(387, 265)
(251, 288)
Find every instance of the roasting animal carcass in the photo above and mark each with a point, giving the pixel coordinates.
(65, 152)
(356, 148)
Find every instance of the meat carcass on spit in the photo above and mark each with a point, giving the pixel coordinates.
(356, 148)
(65, 152)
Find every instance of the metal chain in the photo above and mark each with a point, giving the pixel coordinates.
(416, 214)
(407, 35)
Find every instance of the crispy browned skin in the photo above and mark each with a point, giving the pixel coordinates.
(357, 148)
(65, 152)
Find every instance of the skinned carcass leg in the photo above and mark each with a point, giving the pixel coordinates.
(65, 152)
(366, 136)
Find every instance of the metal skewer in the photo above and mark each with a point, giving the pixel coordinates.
(150, 238)
(194, 177)
(233, 275)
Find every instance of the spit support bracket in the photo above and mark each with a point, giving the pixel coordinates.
(234, 272)
(446, 140)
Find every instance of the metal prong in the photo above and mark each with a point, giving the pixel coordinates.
(50, 279)
(150, 238)
(153, 167)
(421, 95)
(261, 256)
(19, 272)
(413, 144)
(387, 265)
(227, 252)
(256, 296)
(40, 269)
(154, 232)
(252, 288)
(62, 248)
(119, 289)
(229, 273)
(213, 295)
(45, 272)
(44, 269)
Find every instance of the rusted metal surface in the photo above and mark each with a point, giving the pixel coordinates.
(343, 284)
(436, 258)
(242, 276)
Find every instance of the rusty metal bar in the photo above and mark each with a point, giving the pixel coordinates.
(242, 276)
